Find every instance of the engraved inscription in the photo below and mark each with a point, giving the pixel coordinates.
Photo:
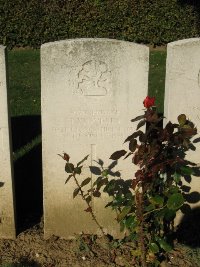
(94, 79)
(92, 124)
(100, 132)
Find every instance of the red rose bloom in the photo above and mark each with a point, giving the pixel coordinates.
(149, 102)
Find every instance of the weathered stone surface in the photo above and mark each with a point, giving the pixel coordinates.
(91, 89)
(7, 213)
(182, 89)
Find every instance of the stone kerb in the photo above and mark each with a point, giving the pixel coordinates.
(7, 210)
(182, 88)
(91, 89)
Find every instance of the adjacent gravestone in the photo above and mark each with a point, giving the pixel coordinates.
(7, 211)
(182, 89)
(91, 89)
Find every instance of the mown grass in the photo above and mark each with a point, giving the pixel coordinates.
(24, 82)
(157, 77)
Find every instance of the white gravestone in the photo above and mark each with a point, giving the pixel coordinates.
(7, 210)
(182, 90)
(91, 89)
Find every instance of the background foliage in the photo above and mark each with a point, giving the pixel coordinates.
(33, 22)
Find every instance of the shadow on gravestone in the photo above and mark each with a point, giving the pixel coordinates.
(27, 172)
(188, 231)
(24, 130)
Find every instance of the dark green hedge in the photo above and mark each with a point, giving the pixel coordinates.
(33, 22)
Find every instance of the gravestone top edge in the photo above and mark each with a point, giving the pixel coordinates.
(2, 47)
(93, 40)
(184, 42)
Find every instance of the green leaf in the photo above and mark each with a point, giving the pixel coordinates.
(86, 181)
(164, 245)
(133, 145)
(187, 170)
(76, 191)
(77, 170)
(173, 189)
(150, 207)
(80, 162)
(104, 173)
(169, 215)
(69, 167)
(138, 118)
(95, 170)
(177, 177)
(68, 178)
(175, 201)
(123, 213)
(122, 226)
(117, 154)
(157, 200)
(154, 247)
(131, 222)
(182, 119)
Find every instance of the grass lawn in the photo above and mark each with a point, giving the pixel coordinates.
(24, 82)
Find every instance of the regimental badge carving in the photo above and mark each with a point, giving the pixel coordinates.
(94, 79)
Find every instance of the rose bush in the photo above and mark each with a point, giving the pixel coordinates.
(146, 204)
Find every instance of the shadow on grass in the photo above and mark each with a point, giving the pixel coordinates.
(27, 172)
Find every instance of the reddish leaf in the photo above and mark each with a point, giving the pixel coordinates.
(136, 159)
(88, 199)
(89, 209)
(138, 118)
(169, 127)
(117, 154)
(142, 138)
(96, 193)
(65, 156)
(133, 145)
(188, 132)
(132, 136)
(130, 153)
(134, 183)
(141, 123)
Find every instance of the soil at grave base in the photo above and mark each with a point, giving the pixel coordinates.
(30, 249)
